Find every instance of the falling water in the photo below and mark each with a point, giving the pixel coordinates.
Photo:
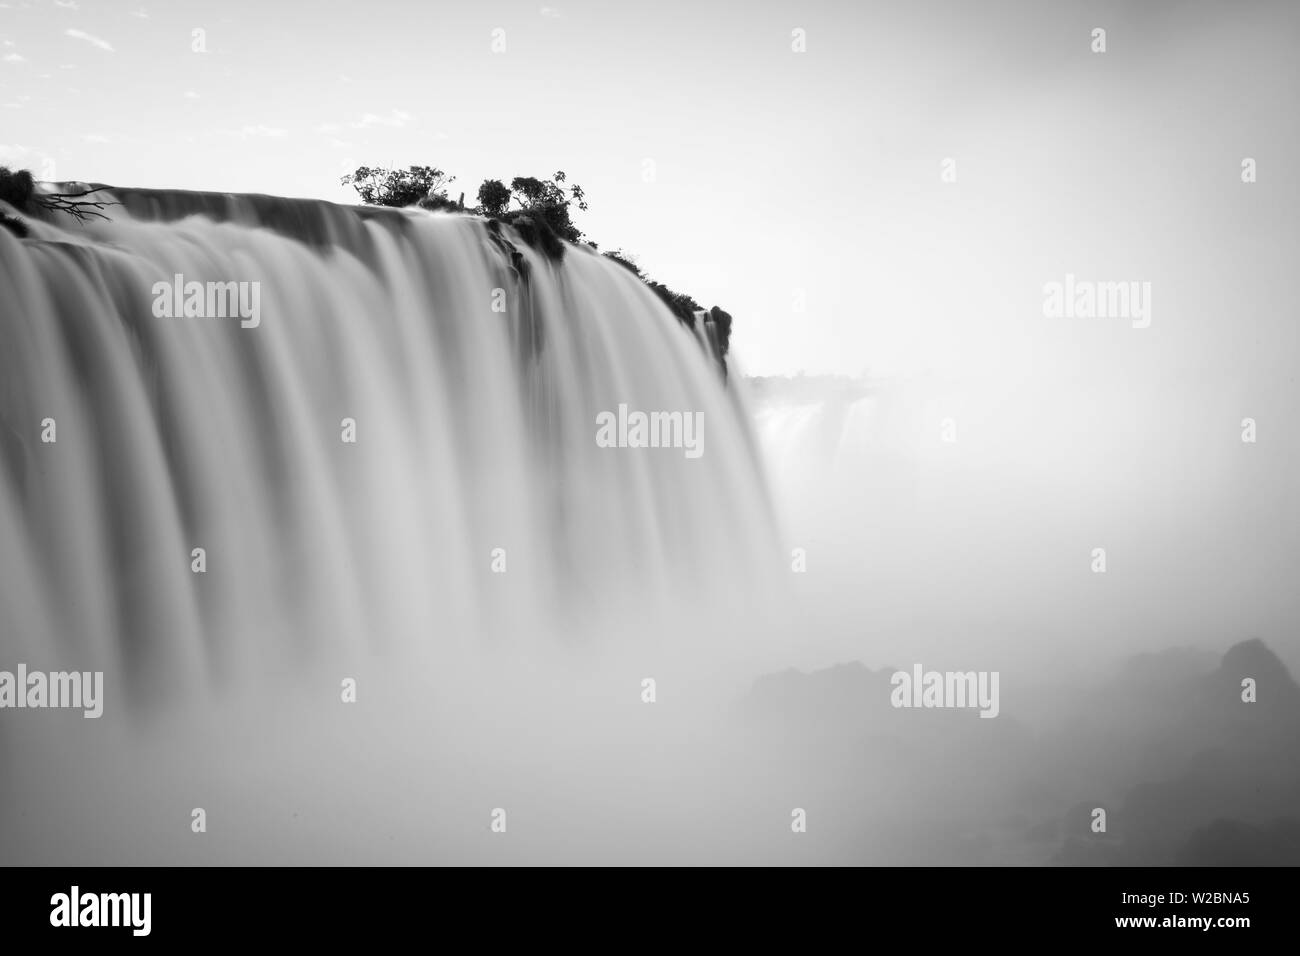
(474, 373)
(499, 584)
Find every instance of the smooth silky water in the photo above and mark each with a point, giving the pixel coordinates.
(497, 585)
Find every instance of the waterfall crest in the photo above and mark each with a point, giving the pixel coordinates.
(473, 506)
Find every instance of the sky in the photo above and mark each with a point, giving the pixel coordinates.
(780, 160)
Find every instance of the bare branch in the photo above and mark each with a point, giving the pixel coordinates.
(80, 209)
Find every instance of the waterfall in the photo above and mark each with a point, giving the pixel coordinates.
(472, 507)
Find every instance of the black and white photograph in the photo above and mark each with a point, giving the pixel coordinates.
(486, 434)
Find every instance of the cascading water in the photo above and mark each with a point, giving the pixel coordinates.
(474, 386)
(396, 458)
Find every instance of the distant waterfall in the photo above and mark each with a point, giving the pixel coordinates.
(398, 452)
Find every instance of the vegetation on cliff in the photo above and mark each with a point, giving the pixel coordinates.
(540, 211)
(18, 189)
(542, 214)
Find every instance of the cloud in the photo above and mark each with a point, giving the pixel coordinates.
(96, 138)
(246, 132)
(141, 14)
(92, 40)
(393, 118)
(191, 95)
(20, 156)
(269, 132)
(550, 12)
(67, 4)
(15, 58)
